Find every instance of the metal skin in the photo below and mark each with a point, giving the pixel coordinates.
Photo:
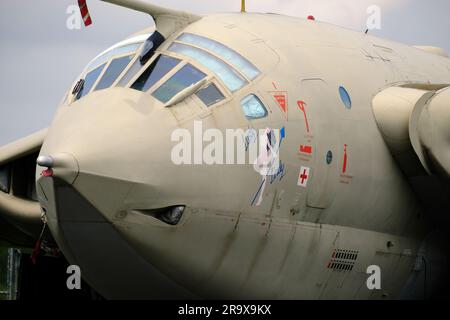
(111, 162)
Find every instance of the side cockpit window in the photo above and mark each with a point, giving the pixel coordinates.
(158, 69)
(253, 107)
(182, 79)
(210, 95)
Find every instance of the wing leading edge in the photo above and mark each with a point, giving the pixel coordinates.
(20, 212)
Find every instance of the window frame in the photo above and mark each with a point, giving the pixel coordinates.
(132, 79)
(209, 83)
(147, 65)
(85, 71)
(114, 84)
(221, 87)
(230, 67)
(210, 78)
(217, 55)
(155, 88)
(106, 68)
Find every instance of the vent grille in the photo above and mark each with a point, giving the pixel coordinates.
(343, 260)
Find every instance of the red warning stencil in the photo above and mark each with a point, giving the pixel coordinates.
(345, 177)
(281, 97)
(344, 163)
(282, 101)
(305, 149)
(302, 107)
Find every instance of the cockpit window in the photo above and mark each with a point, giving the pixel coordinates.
(104, 57)
(158, 69)
(114, 70)
(116, 58)
(183, 78)
(131, 72)
(210, 95)
(228, 75)
(225, 53)
(89, 81)
(253, 107)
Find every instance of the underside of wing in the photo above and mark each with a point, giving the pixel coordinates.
(20, 213)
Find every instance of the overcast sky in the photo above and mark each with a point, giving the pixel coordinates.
(40, 56)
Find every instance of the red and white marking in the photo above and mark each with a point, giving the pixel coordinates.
(84, 12)
(281, 99)
(303, 177)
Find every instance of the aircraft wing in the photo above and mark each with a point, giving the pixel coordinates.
(20, 213)
(167, 20)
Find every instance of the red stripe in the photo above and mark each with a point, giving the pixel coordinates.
(87, 22)
(85, 12)
(344, 165)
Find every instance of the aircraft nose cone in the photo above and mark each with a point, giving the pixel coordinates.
(61, 165)
(45, 161)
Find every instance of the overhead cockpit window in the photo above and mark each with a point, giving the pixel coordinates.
(210, 95)
(253, 107)
(182, 79)
(89, 81)
(104, 57)
(227, 54)
(114, 70)
(228, 75)
(158, 69)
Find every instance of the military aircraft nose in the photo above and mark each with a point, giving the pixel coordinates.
(96, 151)
(107, 142)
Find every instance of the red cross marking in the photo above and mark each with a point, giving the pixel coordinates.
(303, 176)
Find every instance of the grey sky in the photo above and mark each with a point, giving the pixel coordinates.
(40, 57)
